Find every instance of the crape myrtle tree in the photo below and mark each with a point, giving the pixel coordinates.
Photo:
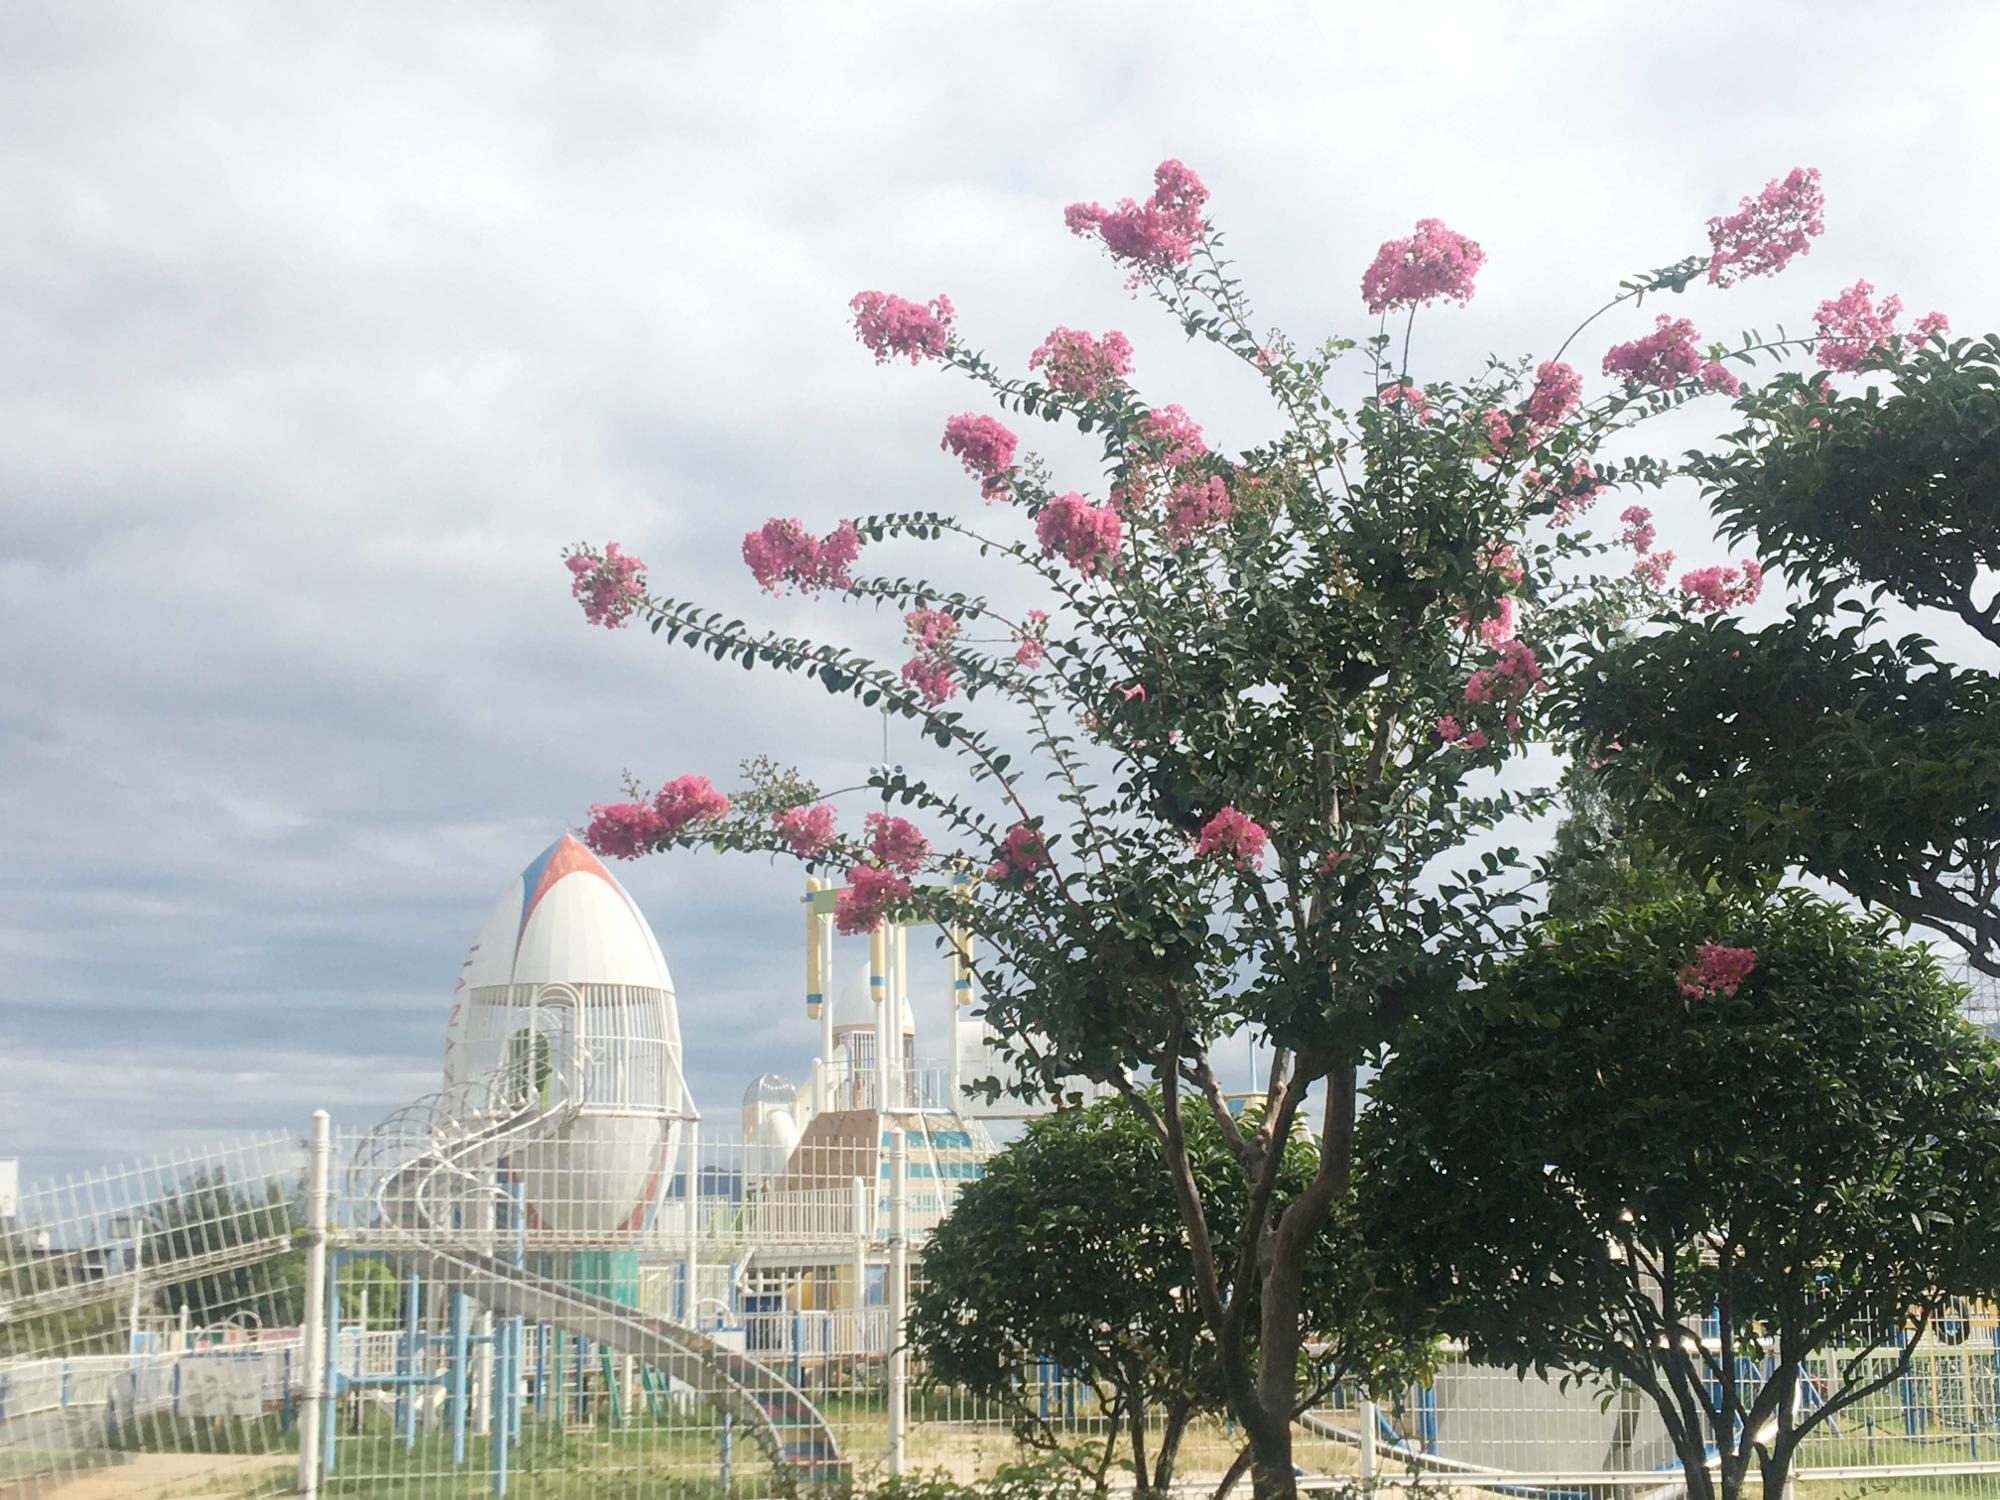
(1070, 1248)
(1837, 741)
(1738, 1134)
(1220, 758)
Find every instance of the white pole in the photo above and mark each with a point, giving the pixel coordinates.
(693, 1196)
(863, 1230)
(313, 1342)
(138, 1223)
(825, 1014)
(899, 1271)
(1366, 1463)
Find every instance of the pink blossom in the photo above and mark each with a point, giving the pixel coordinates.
(1716, 970)
(1411, 397)
(1638, 533)
(869, 893)
(1853, 331)
(1133, 690)
(1574, 492)
(1034, 639)
(621, 830)
(782, 552)
(685, 800)
(1713, 589)
(986, 448)
(1022, 852)
(1172, 435)
(1557, 390)
(1331, 860)
(1663, 358)
(1475, 739)
(1194, 506)
(1499, 627)
(1716, 377)
(890, 325)
(1235, 835)
(1086, 535)
(1449, 728)
(1515, 674)
(1432, 263)
(931, 671)
(1499, 433)
(895, 842)
(1078, 365)
(1653, 568)
(1503, 561)
(809, 830)
(1160, 233)
(610, 583)
(1767, 232)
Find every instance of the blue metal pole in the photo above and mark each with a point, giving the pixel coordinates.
(406, 1359)
(461, 1318)
(331, 1376)
(517, 1331)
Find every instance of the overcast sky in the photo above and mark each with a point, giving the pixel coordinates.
(324, 328)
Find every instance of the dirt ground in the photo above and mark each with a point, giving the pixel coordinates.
(160, 1476)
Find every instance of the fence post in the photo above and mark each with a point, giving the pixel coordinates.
(899, 1292)
(1368, 1417)
(318, 1152)
(691, 1275)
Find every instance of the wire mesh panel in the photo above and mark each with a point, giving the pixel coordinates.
(149, 1325)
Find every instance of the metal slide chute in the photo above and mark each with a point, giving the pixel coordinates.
(431, 1171)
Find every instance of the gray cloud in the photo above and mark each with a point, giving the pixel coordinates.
(321, 332)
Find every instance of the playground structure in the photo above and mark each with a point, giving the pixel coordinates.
(542, 1280)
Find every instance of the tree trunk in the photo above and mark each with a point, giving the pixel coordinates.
(1281, 1335)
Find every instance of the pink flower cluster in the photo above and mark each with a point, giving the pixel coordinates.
(1155, 235)
(931, 671)
(1768, 232)
(1716, 376)
(1713, 589)
(1454, 733)
(1852, 330)
(1233, 835)
(1193, 506)
(985, 447)
(809, 830)
(610, 583)
(1171, 436)
(890, 325)
(1021, 852)
(1574, 492)
(1034, 639)
(1663, 358)
(1716, 970)
(1638, 533)
(1078, 365)
(1498, 627)
(895, 842)
(1432, 263)
(1411, 397)
(869, 893)
(1504, 561)
(1087, 536)
(1652, 569)
(1499, 434)
(1515, 673)
(626, 830)
(1557, 390)
(783, 552)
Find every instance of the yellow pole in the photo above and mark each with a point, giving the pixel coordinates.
(814, 997)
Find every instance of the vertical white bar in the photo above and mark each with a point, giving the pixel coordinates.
(1368, 1419)
(825, 1098)
(864, 1229)
(692, 1274)
(313, 1397)
(899, 1269)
